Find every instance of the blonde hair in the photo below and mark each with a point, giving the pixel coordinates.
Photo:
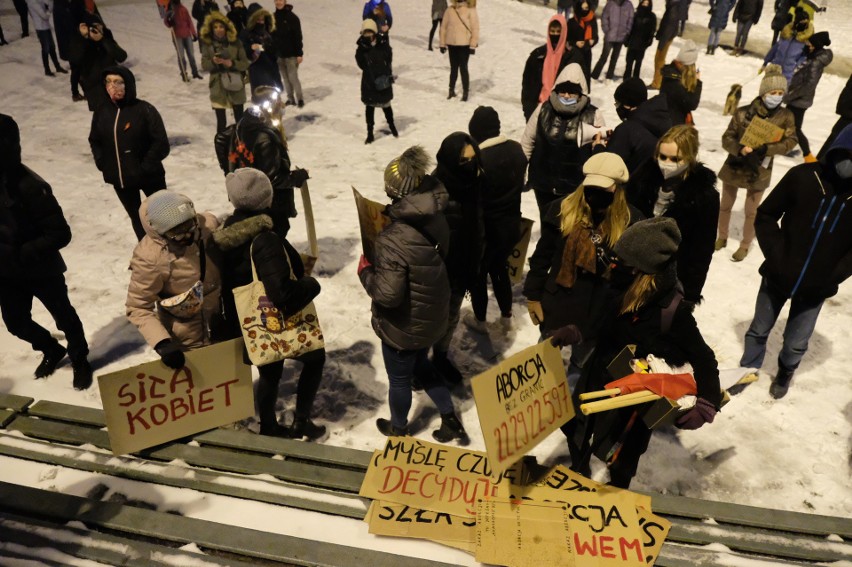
(685, 137)
(689, 77)
(642, 288)
(575, 211)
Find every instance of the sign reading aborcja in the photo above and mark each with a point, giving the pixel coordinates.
(150, 404)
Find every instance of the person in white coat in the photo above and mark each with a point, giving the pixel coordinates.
(41, 12)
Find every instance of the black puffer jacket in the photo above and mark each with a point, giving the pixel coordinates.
(803, 85)
(92, 57)
(695, 209)
(635, 139)
(681, 101)
(263, 70)
(375, 61)
(748, 11)
(288, 33)
(669, 22)
(533, 69)
(408, 279)
(128, 140)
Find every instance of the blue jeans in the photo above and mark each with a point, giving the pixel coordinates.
(800, 326)
(742, 34)
(714, 37)
(401, 366)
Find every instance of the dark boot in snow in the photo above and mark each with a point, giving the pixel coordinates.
(370, 137)
(464, 96)
(452, 93)
(393, 130)
(52, 357)
(446, 368)
(387, 429)
(451, 428)
(82, 374)
(781, 383)
(304, 427)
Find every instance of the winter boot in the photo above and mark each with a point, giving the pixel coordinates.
(61, 69)
(52, 357)
(446, 368)
(197, 75)
(720, 243)
(740, 254)
(304, 427)
(82, 374)
(809, 158)
(275, 430)
(393, 129)
(464, 96)
(451, 428)
(452, 93)
(370, 137)
(387, 429)
(781, 383)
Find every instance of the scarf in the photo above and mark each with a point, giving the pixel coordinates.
(585, 25)
(579, 252)
(550, 69)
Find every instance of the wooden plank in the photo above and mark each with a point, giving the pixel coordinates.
(678, 555)
(36, 535)
(751, 515)
(6, 416)
(14, 402)
(27, 501)
(67, 412)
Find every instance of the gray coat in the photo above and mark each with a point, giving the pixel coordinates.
(617, 20)
(408, 279)
(800, 93)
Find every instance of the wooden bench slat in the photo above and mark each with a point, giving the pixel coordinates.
(67, 412)
(6, 416)
(15, 402)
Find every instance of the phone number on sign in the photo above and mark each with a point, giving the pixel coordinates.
(528, 423)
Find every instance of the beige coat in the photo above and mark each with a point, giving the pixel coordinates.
(732, 173)
(460, 26)
(161, 269)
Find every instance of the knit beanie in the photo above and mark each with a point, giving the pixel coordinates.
(249, 189)
(370, 25)
(688, 53)
(648, 245)
(773, 79)
(820, 40)
(604, 170)
(484, 124)
(404, 173)
(167, 209)
(632, 92)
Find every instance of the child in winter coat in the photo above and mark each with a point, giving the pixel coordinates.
(719, 10)
(789, 52)
(800, 95)
(438, 9)
(374, 56)
(746, 14)
(174, 288)
(682, 84)
(41, 12)
(616, 22)
(179, 20)
(223, 57)
(407, 281)
(583, 34)
(752, 167)
(640, 38)
(460, 35)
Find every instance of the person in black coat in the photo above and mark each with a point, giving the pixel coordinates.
(374, 57)
(844, 109)
(583, 34)
(503, 167)
(533, 79)
(200, 9)
(652, 314)
(250, 234)
(24, 13)
(676, 185)
(261, 50)
(130, 157)
(32, 232)
(640, 38)
(682, 84)
(93, 49)
(643, 123)
(238, 15)
(288, 44)
(746, 14)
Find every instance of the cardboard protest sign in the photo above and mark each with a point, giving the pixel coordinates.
(518, 257)
(150, 403)
(430, 476)
(521, 401)
(399, 520)
(761, 131)
(372, 219)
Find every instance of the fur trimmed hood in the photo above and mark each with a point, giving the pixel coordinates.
(206, 31)
(268, 20)
(241, 232)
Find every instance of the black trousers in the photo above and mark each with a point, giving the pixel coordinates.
(309, 381)
(48, 48)
(131, 201)
(435, 24)
(16, 304)
(371, 115)
(495, 265)
(24, 13)
(609, 46)
(221, 118)
(459, 55)
(634, 62)
(799, 117)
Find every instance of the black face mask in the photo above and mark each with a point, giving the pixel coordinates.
(469, 170)
(554, 41)
(597, 198)
(623, 113)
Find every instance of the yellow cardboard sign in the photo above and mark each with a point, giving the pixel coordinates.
(372, 219)
(149, 404)
(521, 401)
(399, 520)
(518, 256)
(761, 131)
(430, 476)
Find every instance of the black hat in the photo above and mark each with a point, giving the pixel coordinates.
(632, 92)
(568, 87)
(820, 40)
(484, 124)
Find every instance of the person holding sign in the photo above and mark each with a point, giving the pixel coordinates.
(408, 284)
(749, 163)
(651, 313)
(174, 282)
(252, 235)
(568, 281)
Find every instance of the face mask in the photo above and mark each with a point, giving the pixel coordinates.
(801, 26)
(554, 41)
(772, 101)
(597, 198)
(567, 101)
(469, 170)
(670, 169)
(844, 168)
(623, 113)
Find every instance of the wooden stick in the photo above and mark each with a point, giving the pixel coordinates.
(619, 402)
(600, 394)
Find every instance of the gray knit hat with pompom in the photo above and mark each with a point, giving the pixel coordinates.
(404, 173)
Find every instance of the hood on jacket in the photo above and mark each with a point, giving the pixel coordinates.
(650, 7)
(574, 73)
(10, 144)
(257, 16)
(421, 209)
(823, 56)
(449, 170)
(563, 33)
(234, 235)
(840, 148)
(654, 115)
(129, 83)
(206, 31)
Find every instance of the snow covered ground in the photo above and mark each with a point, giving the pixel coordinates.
(792, 454)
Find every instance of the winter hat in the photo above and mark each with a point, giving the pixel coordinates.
(820, 40)
(604, 170)
(649, 244)
(688, 53)
(167, 209)
(249, 189)
(568, 87)
(632, 92)
(572, 73)
(404, 173)
(484, 124)
(369, 25)
(773, 79)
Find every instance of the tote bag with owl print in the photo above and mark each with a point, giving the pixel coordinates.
(268, 335)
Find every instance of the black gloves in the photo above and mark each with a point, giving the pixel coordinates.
(702, 412)
(298, 177)
(170, 354)
(472, 51)
(567, 335)
(443, 50)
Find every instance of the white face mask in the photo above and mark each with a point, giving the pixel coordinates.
(670, 169)
(772, 101)
(844, 168)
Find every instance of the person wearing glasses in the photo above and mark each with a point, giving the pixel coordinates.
(129, 143)
(678, 186)
(174, 282)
